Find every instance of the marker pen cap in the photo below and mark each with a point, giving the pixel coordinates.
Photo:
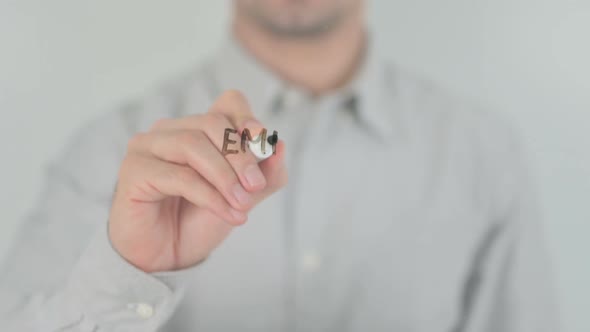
(255, 145)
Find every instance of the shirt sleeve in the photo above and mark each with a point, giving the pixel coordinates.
(62, 273)
(511, 286)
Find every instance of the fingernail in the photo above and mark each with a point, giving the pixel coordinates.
(241, 195)
(254, 176)
(253, 126)
(238, 215)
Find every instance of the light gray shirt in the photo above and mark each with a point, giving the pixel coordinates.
(407, 209)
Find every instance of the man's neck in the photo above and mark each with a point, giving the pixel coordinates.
(319, 65)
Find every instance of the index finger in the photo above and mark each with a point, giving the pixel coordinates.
(234, 105)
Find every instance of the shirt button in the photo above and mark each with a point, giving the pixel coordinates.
(311, 262)
(144, 310)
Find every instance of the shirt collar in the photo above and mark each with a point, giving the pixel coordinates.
(235, 68)
(372, 93)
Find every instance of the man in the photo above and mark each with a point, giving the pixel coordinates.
(405, 209)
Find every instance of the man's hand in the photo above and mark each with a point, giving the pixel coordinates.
(178, 197)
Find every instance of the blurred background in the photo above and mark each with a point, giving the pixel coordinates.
(62, 62)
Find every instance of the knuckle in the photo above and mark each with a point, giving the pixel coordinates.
(234, 95)
(185, 176)
(187, 139)
(195, 120)
(215, 117)
(234, 99)
(135, 141)
(190, 121)
(160, 124)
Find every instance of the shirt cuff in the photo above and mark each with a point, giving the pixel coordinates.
(106, 291)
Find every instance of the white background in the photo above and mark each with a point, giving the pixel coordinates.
(64, 61)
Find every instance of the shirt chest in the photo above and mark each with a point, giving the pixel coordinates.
(363, 234)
